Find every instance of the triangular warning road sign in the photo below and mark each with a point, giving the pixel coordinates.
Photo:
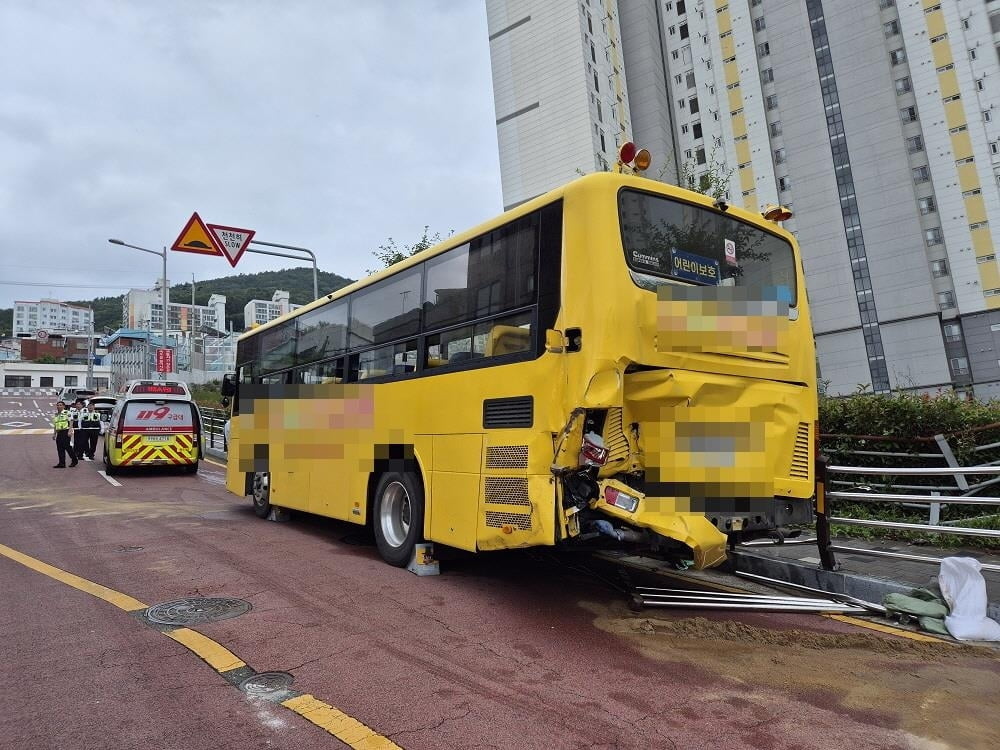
(232, 241)
(194, 238)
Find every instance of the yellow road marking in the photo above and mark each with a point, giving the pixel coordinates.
(345, 728)
(122, 601)
(887, 629)
(219, 658)
(210, 461)
(348, 730)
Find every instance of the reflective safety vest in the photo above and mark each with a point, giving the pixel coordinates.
(90, 420)
(61, 421)
(74, 417)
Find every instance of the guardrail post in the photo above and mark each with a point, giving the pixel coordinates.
(823, 541)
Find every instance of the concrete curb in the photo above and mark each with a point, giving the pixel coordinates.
(216, 454)
(869, 588)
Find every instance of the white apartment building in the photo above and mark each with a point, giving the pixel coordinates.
(51, 316)
(259, 311)
(142, 308)
(876, 121)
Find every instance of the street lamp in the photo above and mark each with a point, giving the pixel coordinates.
(163, 283)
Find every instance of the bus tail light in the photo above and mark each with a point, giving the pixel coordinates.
(593, 452)
(620, 499)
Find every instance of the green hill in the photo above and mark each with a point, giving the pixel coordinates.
(239, 290)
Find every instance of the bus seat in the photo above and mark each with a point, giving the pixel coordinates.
(460, 356)
(507, 340)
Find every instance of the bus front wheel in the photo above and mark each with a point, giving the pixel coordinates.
(398, 516)
(261, 494)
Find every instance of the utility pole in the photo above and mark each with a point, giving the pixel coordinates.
(90, 352)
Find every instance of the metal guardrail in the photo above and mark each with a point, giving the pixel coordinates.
(933, 500)
(213, 424)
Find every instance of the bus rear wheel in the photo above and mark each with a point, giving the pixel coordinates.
(261, 494)
(398, 516)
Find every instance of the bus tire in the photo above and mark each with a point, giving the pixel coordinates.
(398, 516)
(260, 493)
(109, 468)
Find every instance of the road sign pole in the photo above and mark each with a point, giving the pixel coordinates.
(310, 253)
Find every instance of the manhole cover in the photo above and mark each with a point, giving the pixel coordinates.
(266, 683)
(196, 610)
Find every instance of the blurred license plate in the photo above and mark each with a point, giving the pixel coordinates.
(157, 439)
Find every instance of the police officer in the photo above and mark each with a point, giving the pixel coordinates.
(62, 428)
(90, 426)
(79, 436)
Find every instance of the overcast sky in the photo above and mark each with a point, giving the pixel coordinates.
(329, 124)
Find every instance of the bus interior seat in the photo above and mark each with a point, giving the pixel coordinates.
(463, 356)
(507, 340)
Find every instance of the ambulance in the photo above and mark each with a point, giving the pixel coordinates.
(154, 423)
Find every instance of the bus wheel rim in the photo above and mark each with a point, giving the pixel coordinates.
(261, 488)
(394, 514)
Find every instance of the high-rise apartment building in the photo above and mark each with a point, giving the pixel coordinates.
(51, 316)
(143, 308)
(876, 121)
(259, 311)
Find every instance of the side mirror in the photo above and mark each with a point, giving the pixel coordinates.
(228, 384)
(225, 403)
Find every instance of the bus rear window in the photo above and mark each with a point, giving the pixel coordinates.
(669, 239)
(162, 416)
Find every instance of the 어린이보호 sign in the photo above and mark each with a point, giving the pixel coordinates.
(696, 268)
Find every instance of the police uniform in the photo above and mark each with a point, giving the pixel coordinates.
(62, 424)
(79, 436)
(90, 427)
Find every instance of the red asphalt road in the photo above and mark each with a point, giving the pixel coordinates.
(502, 650)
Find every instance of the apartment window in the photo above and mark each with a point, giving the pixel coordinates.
(675, 54)
(987, 117)
(784, 184)
(763, 49)
(684, 128)
(897, 56)
(755, 2)
(671, 30)
(980, 84)
(903, 85)
(772, 101)
(945, 300)
(696, 130)
(959, 365)
(972, 53)
(921, 174)
(952, 332)
(775, 127)
(779, 156)
(678, 78)
(597, 86)
(693, 105)
(683, 31)
(883, 4)
(939, 268)
(932, 236)
(914, 144)
(908, 114)
(699, 156)
(681, 9)
(891, 28)
(603, 146)
(687, 154)
(927, 205)
(682, 103)
(689, 79)
(758, 24)
(593, 53)
(600, 113)
(995, 147)
(767, 75)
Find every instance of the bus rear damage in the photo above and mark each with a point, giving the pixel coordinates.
(678, 467)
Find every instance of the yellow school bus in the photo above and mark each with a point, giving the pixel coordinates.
(616, 362)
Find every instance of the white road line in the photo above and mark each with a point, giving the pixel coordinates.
(114, 482)
(36, 405)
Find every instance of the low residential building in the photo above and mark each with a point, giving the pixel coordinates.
(62, 348)
(34, 375)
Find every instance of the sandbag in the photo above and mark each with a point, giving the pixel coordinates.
(964, 589)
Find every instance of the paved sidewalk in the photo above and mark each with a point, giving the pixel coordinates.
(867, 576)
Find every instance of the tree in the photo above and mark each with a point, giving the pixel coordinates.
(390, 253)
